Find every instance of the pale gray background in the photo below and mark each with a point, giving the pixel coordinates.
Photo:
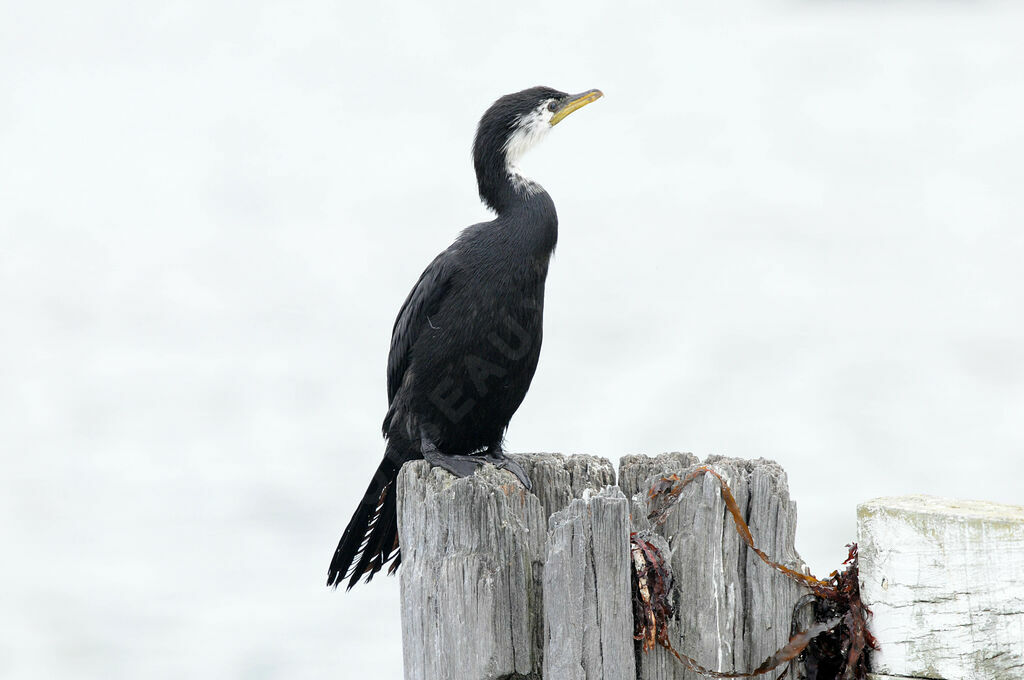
(791, 229)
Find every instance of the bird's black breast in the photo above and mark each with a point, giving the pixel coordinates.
(478, 343)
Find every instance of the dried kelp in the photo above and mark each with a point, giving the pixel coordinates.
(832, 648)
(652, 585)
(840, 653)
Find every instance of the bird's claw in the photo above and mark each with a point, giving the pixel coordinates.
(505, 463)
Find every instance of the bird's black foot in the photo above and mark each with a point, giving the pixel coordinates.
(464, 466)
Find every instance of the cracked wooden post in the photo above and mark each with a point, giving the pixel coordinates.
(731, 610)
(472, 560)
(588, 602)
(492, 589)
(945, 580)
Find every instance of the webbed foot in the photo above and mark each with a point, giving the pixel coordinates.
(464, 466)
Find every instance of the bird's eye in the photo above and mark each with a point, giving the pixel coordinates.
(552, 105)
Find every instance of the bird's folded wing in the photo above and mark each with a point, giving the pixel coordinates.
(424, 300)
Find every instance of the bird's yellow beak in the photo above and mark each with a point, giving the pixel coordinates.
(573, 102)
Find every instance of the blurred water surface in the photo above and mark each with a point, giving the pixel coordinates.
(791, 230)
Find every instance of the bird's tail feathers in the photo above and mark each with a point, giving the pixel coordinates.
(371, 538)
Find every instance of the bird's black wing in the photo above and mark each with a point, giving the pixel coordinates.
(371, 539)
(424, 300)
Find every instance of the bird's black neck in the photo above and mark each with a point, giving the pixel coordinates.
(500, 184)
(531, 221)
(525, 210)
(523, 206)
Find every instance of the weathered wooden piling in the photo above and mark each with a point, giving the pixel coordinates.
(500, 583)
(732, 610)
(588, 604)
(945, 580)
(472, 564)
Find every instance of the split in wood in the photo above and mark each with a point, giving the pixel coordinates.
(839, 633)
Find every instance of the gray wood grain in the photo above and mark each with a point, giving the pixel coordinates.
(472, 560)
(636, 469)
(492, 589)
(588, 607)
(558, 478)
(945, 581)
(732, 610)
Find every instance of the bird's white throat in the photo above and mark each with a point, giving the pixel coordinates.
(530, 129)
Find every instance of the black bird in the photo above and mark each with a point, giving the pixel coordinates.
(466, 341)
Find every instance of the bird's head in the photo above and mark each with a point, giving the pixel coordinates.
(509, 128)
